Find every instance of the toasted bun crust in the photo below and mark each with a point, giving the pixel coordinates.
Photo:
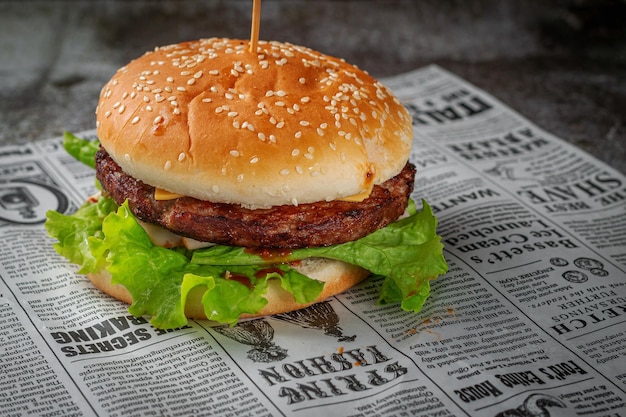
(337, 276)
(283, 125)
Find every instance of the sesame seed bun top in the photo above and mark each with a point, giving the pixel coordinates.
(284, 125)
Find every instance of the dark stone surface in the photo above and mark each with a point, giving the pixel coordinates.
(562, 64)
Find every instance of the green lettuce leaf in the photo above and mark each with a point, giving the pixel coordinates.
(81, 149)
(73, 231)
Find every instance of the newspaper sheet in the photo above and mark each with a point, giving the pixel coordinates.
(530, 319)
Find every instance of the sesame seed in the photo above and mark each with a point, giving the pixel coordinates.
(299, 169)
(176, 110)
(135, 120)
(229, 96)
(298, 134)
(206, 100)
(127, 157)
(234, 152)
(280, 124)
(168, 89)
(121, 109)
(284, 171)
(261, 136)
(116, 105)
(170, 79)
(281, 93)
(302, 80)
(294, 201)
(218, 109)
(181, 156)
(254, 159)
(295, 152)
(181, 89)
(191, 81)
(258, 112)
(107, 114)
(280, 103)
(168, 165)
(272, 138)
(232, 114)
(269, 93)
(251, 128)
(214, 72)
(185, 73)
(240, 178)
(304, 123)
(215, 189)
(197, 75)
(320, 131)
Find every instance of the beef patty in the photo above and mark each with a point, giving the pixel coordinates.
(279, 227)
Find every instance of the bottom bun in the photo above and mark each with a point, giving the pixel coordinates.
(337, 277)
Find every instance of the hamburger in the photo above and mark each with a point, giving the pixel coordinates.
(238, 183)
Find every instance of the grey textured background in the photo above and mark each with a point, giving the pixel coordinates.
(561, 64)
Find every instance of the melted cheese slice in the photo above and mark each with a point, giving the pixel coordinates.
(357, 198)
(161, 195)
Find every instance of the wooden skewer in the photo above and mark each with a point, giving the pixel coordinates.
(256, 23)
